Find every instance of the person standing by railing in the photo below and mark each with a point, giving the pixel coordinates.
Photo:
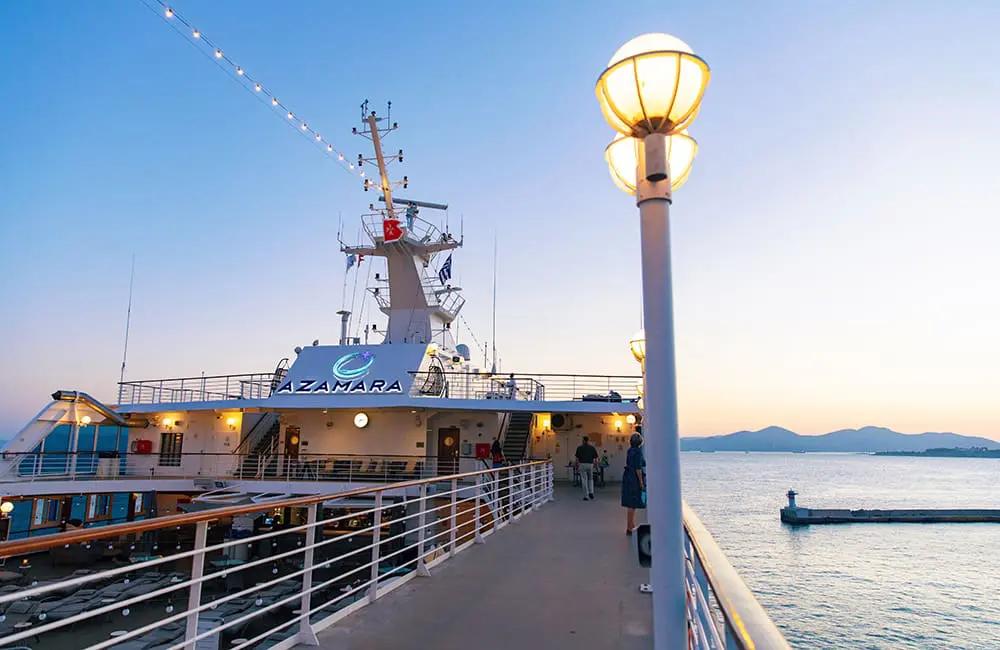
(634, 482)
(511, 387)
(586, 459)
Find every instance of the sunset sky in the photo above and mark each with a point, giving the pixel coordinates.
(835, 247)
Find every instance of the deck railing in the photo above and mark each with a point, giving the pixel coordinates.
(198, 389)
(454, 385)
(346, 468)
(723, 613)
(206, 577)
(535, 387)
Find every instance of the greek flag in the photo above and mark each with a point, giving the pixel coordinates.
(350, 261)
(445, 273)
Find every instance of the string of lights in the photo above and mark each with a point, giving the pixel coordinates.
(196, 38)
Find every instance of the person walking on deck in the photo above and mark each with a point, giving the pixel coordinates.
(634, 482)
(586, 459)
(496, 451)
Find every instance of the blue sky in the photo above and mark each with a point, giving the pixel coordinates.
(834, 248)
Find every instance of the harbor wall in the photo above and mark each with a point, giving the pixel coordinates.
(844, 516)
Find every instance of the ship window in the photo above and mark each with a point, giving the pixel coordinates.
(99, 507)
(46, 511)
(139, 507)
(171, 444)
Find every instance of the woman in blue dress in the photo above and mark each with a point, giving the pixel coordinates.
(634, 482)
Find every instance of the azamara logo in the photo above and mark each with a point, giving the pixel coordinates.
(353, 365)
(314, 386)
(349, 371)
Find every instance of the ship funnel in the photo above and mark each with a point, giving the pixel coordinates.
(344, 315)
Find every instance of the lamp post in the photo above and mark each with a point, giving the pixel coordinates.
(650, 93)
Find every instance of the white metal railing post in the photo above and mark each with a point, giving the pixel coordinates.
(422, 532)
(510, 496)
(194, 591)
(531, 488)
(376, 537)
(479, 489)
(551, 481)
(306, 633)
(453, 520)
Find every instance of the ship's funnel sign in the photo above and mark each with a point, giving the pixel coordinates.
(349, 373)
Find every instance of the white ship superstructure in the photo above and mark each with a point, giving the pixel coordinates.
(403, 401)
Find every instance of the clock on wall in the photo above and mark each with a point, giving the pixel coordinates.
(361, 420)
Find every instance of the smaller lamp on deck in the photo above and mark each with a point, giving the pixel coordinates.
(638, 345)
(85, 420)
(6, 507)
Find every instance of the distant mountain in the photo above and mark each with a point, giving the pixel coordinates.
(866, 439)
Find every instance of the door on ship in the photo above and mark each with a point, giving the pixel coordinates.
(448, 451)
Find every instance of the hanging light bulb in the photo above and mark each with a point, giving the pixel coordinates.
(169, 12)
(218, 53)
(318, 137)
(196, 34)
(239, 71)
(170, 608)
(290, 116)
(329, 147)
(274, 101)
(126, 611)
(256, 87)
(340, 156)
(305, 126)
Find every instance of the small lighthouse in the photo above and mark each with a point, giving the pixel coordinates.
(791, 499)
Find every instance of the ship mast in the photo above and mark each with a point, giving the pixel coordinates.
(420, 304)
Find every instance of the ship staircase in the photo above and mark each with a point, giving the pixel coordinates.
(259, 448)
(517, 433)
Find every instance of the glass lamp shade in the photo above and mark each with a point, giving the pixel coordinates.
(653, 84)
(623, 156)
(638, 345)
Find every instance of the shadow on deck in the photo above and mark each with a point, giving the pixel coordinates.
(563, 577)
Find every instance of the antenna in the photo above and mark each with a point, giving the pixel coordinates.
(128, 324)
(494, 299)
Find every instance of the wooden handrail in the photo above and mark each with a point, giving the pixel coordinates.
(33, 545)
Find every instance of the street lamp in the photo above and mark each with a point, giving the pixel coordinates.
(651, 91)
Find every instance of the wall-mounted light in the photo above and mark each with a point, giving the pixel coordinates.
(432, 350)
(630, 418)
(167, 422)
(231, 423)
(618, 425)
(6, 507)
(85, 420)
(547, 424)
(361, 420)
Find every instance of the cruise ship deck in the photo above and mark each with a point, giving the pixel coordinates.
(499, 555)
(567, 578)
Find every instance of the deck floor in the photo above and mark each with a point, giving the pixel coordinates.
(565, 576)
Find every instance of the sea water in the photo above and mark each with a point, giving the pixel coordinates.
(858, 586)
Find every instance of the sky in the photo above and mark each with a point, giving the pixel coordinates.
(834, 248)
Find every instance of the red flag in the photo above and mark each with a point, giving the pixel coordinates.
(391, 230)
